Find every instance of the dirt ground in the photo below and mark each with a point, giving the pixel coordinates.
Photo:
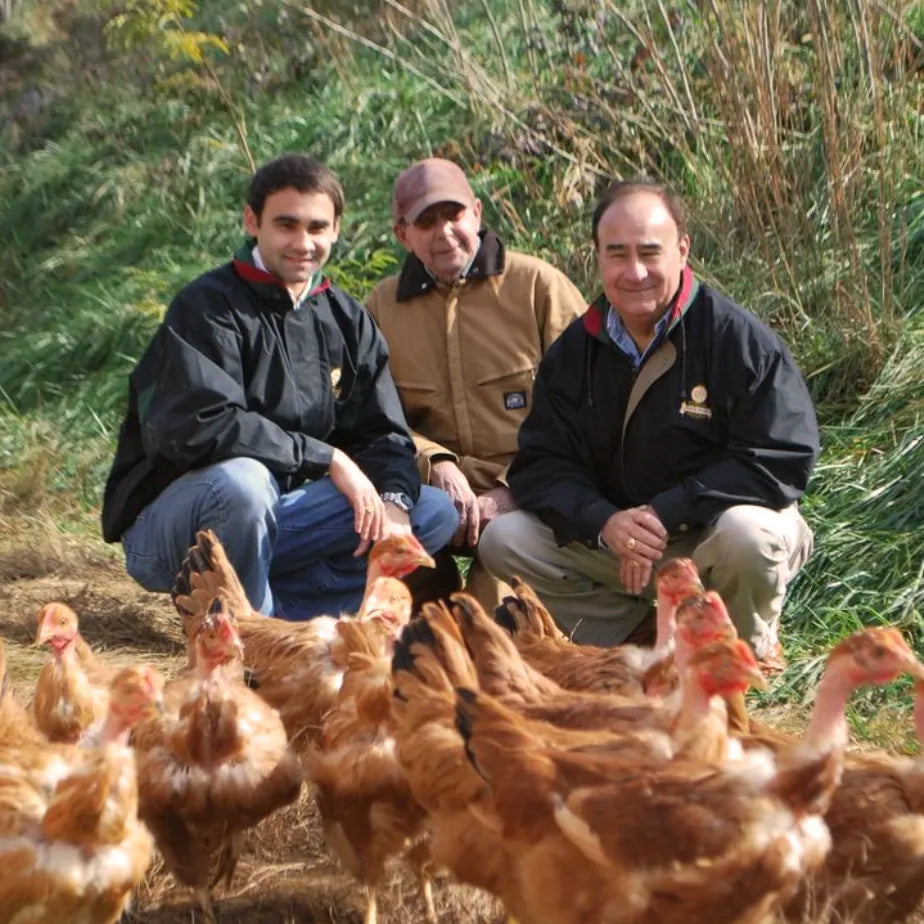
(286, 874)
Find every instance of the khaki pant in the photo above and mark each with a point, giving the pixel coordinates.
(749, 555)
(484, 587)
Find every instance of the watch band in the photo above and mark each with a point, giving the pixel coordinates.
(401, 500)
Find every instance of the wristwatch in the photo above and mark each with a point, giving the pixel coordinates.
(401, 500)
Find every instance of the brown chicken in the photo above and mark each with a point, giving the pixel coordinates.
(714, 672)
(296, 667)
(76, 851)
(429, 662)
(71, 693)
(683, 842)
(367, 809)
(875, 871)
(217, 766)
(206, 572)
(464, 830)
(699, 619)
(502, 673)
(623, 669)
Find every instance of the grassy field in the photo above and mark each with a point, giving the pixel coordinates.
(793, 130)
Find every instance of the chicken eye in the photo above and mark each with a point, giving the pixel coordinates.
(879, 651)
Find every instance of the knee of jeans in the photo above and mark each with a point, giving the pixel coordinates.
(746, 543)
(148, 572)
(247, 486)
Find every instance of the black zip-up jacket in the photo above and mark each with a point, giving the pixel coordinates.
(716, 415)
(234, 370)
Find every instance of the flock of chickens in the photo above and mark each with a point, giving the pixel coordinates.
(580, 785)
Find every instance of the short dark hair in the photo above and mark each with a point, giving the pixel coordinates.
(619, 188)
(294, 171)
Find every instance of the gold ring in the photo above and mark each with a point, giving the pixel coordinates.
(630, 543)
(369, 505)
(635, 566)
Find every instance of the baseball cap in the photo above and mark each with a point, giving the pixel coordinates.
(427, 182)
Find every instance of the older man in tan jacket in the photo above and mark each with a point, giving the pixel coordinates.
(467, 322)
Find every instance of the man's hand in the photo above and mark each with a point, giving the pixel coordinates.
(634, 577)
(368, 508)
(639, 538)
(493, 503)
(448, 477)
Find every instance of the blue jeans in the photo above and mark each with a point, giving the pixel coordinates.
(293, 552)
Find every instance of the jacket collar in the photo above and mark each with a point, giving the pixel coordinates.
(415, 280)
(271, 289)
(595, 316)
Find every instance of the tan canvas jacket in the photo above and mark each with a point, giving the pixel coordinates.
(464, 356)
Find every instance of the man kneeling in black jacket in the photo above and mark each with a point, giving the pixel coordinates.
(264, 409)
(666, 422)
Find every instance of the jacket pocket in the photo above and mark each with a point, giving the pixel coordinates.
(510, 391)
(419, 399)
(524, 373)
(414, 386)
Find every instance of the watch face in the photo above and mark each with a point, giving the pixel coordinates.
(400, 500)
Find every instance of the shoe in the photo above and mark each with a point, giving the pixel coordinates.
(773, 662)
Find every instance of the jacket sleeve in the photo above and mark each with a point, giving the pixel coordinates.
(195, 411)
(430, 452)
(773, 444)
(375, 434)
(550, 475)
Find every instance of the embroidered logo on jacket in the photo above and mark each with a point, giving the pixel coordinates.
(696, 406)
(514, 400)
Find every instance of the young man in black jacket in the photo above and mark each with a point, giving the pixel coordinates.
(666, 422)
(264, 409)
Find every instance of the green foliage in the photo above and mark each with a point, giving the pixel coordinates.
(140, 22)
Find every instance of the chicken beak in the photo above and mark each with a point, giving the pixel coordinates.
(425, 561)
(916, 669)
(154, 708)
(45, 634)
